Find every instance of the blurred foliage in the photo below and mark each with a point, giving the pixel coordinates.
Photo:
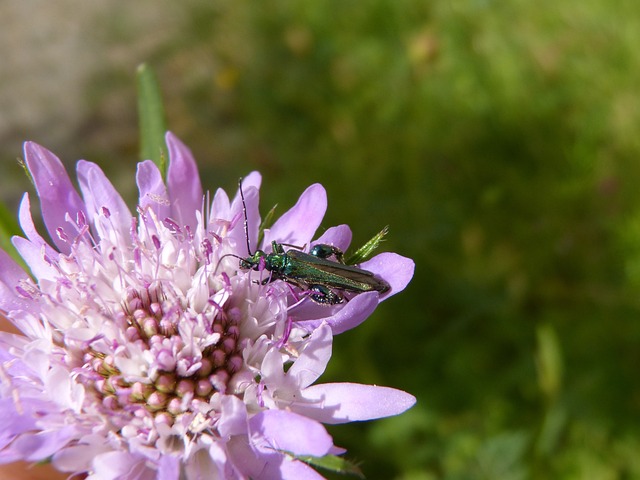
(500, 141)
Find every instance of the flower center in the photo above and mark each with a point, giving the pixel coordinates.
(171, 359)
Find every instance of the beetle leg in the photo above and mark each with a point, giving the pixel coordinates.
(292, 282)
(324, 251)
(324, 295)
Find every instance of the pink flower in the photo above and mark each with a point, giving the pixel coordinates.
(144, 356)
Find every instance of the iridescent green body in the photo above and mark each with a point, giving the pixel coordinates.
(324, 279)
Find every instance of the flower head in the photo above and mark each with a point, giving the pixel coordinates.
(147, 352)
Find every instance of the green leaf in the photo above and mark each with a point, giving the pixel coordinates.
(266, 223)
(8, 228)
(368, 248)
(151, 116)
(332, 463)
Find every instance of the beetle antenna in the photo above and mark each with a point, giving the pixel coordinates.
(215, 271)
(246, 220)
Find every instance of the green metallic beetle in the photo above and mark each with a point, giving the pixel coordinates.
(324, 280)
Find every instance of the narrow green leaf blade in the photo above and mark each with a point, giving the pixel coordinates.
(368, 248)
(151, 118)
(266, 223)
(333, 463)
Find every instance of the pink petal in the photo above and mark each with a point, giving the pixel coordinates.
(34, 257)
(271, 368)
(199, 466)
(11, 274)
(98, 192)
(153, 193)
(339, 236)
(13, 421)
(76, 457)
(395, 269)
(41, 445)
(120, 465)
(254, 179)
(313, 358)
(352, 314)
(58, 198)
(298, 225)
(26, 221)
(246, 460)
(250, 189)
(183, 182)
(34, 250)
(168, 468)
(290, 432)
(352, 402)
(233, 418)
(269, 465)
(223, 209)
(220, 206)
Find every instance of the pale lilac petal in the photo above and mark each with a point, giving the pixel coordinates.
(337, 451)
(11, 365)
(34, 256)
(298, 225)
(26, 222)
(218, 454)
(253, 179)
(9, 301)
(271, 368)
(224, 211)
(338, 236)
(289, 432)
(352, 402)
(153, 193)
(183, 182)
(352, 314)
(41, 445)
(270, 465)
(169, 468)
(9, 455)
(313, 358)
(13, 422)
(251, 198)
(395, 269)
(11, 274)
(247, 460)
(58, 198)
(63, 390)
(99, 193)
(220, 206)
(233, 419)
(201, 466)
(39, 254)
(119, 466)
(78, 457)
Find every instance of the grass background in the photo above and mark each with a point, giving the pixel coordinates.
(498, 139)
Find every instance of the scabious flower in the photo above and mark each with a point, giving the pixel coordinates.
(146, 353)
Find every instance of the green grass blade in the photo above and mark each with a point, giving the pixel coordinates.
(152, 119)
(8, 228)
(333, 463)
(368, 248)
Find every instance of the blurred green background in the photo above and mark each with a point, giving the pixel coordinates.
(498, 139)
